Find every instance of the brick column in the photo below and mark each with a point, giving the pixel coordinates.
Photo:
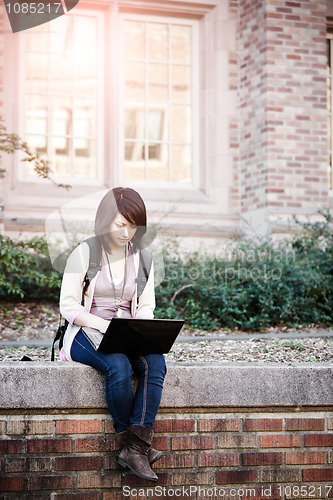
(2, 13)
(283, 167)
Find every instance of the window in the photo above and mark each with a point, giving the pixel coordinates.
(62, 94)
(158, 100)
(67, 110)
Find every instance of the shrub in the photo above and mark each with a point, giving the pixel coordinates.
(256, 285)
(251, 286)
(25, 270)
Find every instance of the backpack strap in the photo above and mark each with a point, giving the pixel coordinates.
(95, 264)
(145, 261)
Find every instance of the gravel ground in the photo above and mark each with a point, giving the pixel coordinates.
(34, 321)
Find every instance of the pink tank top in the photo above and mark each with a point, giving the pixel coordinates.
(104, 304)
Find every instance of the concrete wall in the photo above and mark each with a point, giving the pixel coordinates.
(228, 431)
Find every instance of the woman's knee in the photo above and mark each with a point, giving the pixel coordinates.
(118, 366)
(154, 363)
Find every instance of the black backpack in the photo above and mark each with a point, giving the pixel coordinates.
(93, 268)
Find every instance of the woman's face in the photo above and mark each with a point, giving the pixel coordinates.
(121, 231)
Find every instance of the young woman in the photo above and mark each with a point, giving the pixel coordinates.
(120, 224)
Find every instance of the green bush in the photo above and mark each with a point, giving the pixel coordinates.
(26, 272)
(251, 287)
(256, 285)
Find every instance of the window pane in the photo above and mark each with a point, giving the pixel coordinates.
(158, 168)
(134, 124)
(61, 116)
(181, 124)
(36, 115)
(61, 35)
(134, 80)
(85, 160)
(37, 39)
(85, 56)
(38, 144)
(36, 73)
(134, 160)
(61, 74)
(60, 155)
(134, 38)
(158, 82)
(157, 41)
(157, 125)
(181, 43)
(85, 119)
(181, 163)
(181, 84)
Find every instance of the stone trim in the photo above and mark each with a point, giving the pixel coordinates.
(202, 385)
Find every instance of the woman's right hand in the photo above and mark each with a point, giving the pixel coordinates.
(91, 320)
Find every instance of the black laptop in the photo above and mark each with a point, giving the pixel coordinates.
(136, 336)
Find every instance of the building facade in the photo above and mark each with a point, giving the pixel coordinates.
(217, 111)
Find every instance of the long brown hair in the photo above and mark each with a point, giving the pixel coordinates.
(130, 205)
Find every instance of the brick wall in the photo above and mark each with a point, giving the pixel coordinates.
(2, 13)
(283, 138)
(268, 455)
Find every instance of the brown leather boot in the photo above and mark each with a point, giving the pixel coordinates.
(135, 454)
(153, 455)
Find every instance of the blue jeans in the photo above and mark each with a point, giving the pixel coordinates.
(125, 407)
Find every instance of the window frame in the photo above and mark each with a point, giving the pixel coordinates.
(195, 174)
(98, 180)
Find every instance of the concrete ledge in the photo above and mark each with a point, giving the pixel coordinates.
(240, 385)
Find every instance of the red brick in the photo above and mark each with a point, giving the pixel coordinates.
(318, 474)
(79, 496)
(218, 459)
(305, 457)
(280, 475)
(41, 483)
(319, 440)
(11, 446)
(192, 443)
(29, 464)
(281, 441)
(175, 461)
(97, 481)
(262, 424)
(8, 484)
(92, 445)
(219, 425)
(78, 426)
(160, 443)
(174, 425)
(236, 477)
(137, 482)
(236, 441)
(305, 424)
(25, 427)
(78, 463)
(116, 496)
(49, 446)
(262, 458)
